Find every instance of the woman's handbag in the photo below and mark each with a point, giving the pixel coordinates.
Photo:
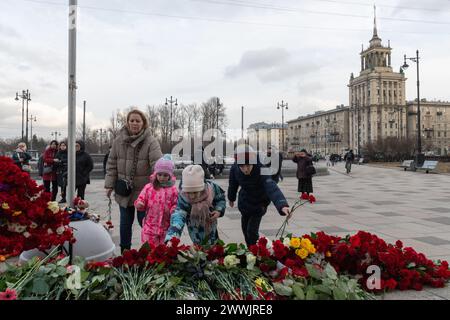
(310, 170)
(124, 187)
(47, 169)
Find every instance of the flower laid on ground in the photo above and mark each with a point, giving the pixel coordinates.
(28, 219)
(315, 266)
(303, 199)
(8, 294)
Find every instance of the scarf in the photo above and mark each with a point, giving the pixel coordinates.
(167, 184)
(200, 212)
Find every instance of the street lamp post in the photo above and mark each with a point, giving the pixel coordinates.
(242, 122)
(282, 106)
(31, 133)
(24, 96)
(171, 101)
(404, 67)
(218, 108)
(56, 134)
(27, 99)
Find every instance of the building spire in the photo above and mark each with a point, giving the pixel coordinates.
(375, 34)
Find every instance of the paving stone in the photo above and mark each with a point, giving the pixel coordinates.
(443, 210)
(233, 216)
(389, 214)
(269, 232)
(433, 240)
(332, 230)
(441, 220)
(385, 203)
(330, 212)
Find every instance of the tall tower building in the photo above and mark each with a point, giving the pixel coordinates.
(376, 97)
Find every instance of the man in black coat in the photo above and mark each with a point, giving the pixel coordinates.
(84, 165)
(349, 158)
(256, 193)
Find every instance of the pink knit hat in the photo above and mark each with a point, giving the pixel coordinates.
(165, 165)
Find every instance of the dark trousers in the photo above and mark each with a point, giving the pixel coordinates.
(126, 225)
(250, 227)
(63, 192)
(54, 185)
(81, 190)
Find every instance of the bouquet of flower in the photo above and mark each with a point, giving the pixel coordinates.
(28, 219)
(304, 198)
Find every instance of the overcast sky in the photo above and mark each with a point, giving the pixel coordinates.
(253, 53)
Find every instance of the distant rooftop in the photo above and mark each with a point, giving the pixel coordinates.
(321, 112)
(264, 125)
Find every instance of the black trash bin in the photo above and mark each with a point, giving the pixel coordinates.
(420, 159)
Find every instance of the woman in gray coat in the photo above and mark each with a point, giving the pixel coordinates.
(134, 139)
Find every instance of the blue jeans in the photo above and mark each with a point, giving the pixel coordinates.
(126, 225)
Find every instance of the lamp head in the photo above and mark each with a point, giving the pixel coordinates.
(17, 96)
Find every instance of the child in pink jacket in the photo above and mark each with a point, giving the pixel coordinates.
(159, 200)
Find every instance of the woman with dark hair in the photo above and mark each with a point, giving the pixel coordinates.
(131, 159)
(61, 170)
(49, 173)
(304, 176)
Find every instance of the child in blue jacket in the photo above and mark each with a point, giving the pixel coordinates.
(256, 193)
(199, 205)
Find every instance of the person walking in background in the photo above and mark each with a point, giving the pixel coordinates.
(349, 158)
(199, 206)
(133, 154)
(159, 200)
(22, 158)
(255, 194)
(84, 165)
(328, 160)
(105, 160)
(304, 171)
(61, 170)
(49, 170)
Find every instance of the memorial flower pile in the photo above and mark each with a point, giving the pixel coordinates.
(28, 219)
(401, 267)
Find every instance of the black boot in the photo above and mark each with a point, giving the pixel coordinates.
(123, 248)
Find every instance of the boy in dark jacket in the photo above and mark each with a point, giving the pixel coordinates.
(256, 193)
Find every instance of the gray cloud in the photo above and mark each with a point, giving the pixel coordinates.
(7, 31)
(310, 88)
(272, 64)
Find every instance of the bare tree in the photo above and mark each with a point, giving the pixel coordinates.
(212, 114)
(153, 119)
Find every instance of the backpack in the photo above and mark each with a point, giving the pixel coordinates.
(41, 165)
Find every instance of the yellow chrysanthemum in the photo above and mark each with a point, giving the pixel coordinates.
(328, 254)
(259, 282)
(17, 213)
(305, 243)
(295, 243)
(5, 206)
(311, 249)
(302, 253)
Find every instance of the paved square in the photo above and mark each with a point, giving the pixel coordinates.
(390, 203)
